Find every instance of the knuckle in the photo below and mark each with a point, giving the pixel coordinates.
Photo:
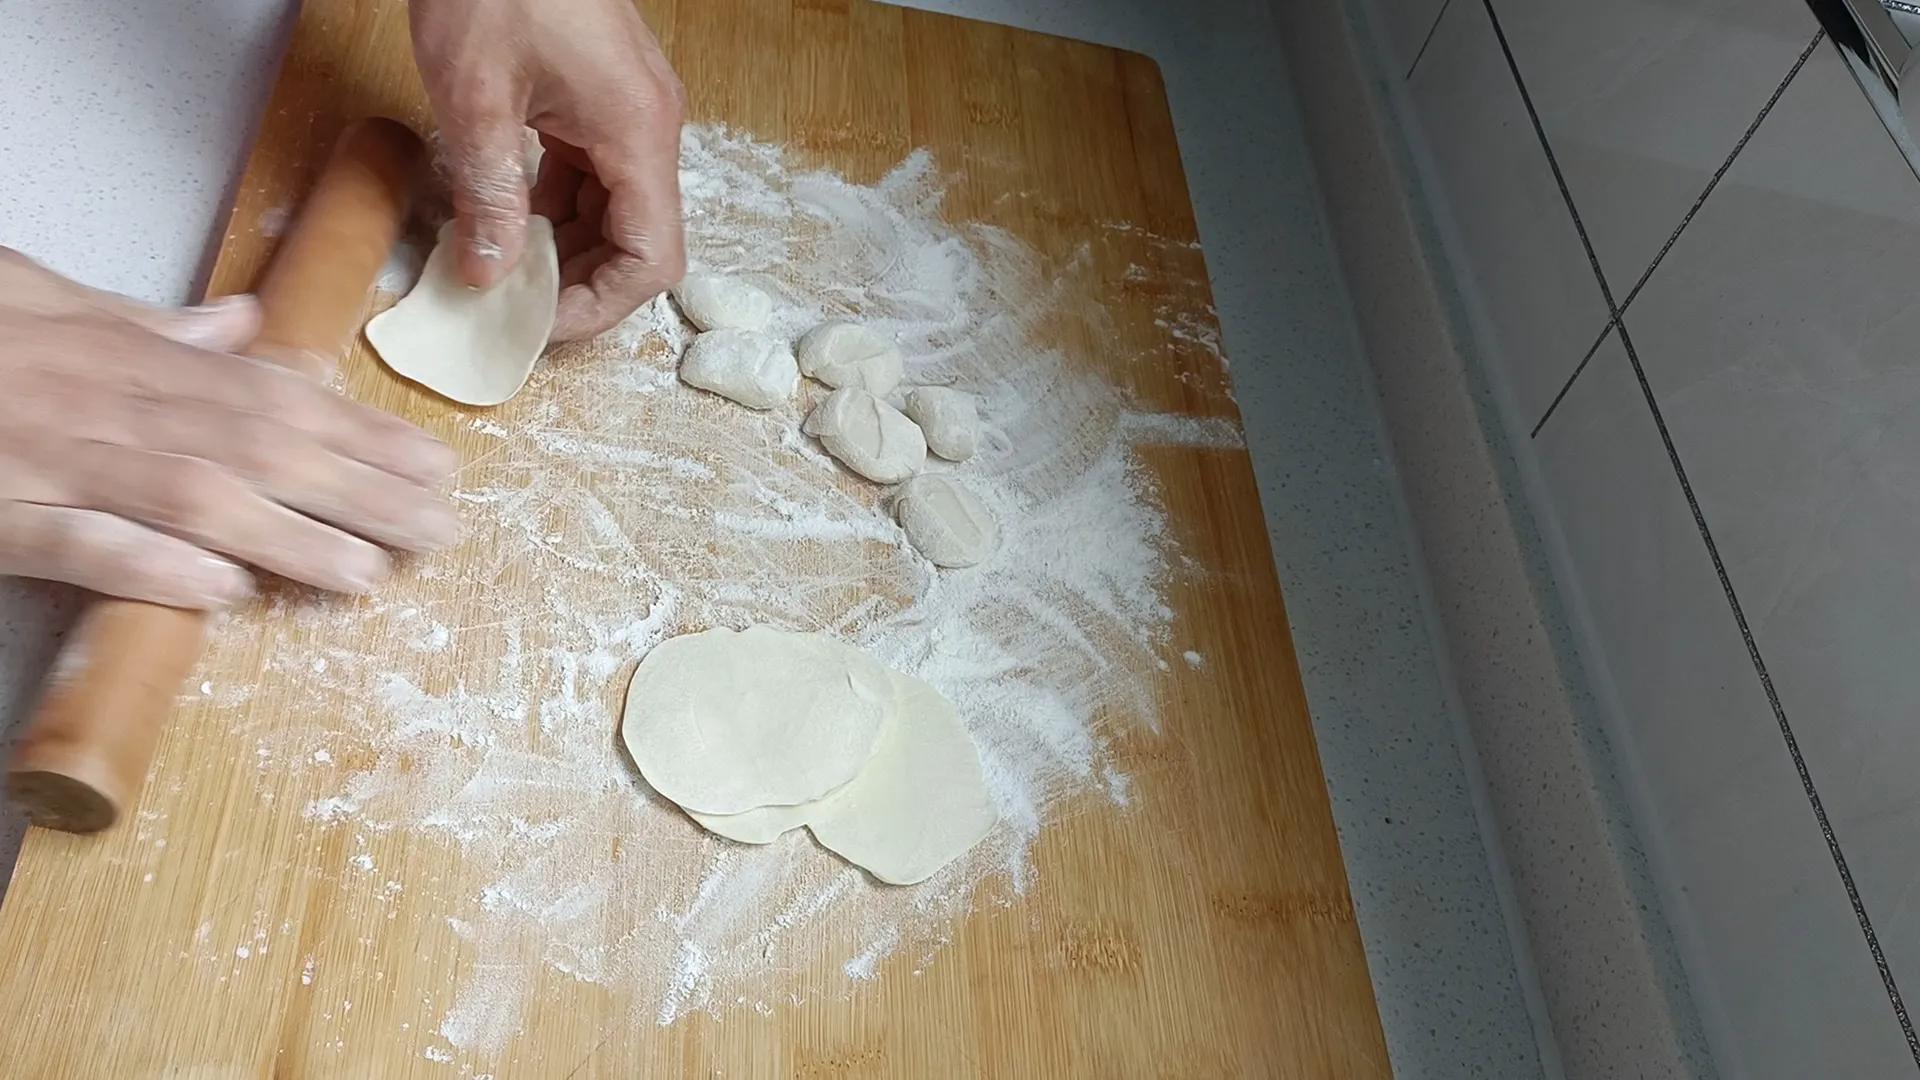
(670, 265)
(252, 442)
(288, 399)
(195, 494)
(672, 106)
(478, 95)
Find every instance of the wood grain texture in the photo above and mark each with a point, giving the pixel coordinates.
(1206, 932)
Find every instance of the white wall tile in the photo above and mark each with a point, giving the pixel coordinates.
(1643, 100)
(1780, 335)
(1403, 26)
(1778, 966)
(1523, 272)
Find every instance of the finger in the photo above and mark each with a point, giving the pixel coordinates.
(243, 385)
(222, 325)
(584, 229)
(643, 221)
(206, 505)
(484, 153)
(293, 468)
(555, 191)
(614, 288)
(115, 556)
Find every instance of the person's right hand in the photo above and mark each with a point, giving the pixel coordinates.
(140, 458)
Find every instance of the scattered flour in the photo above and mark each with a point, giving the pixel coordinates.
(607, 509)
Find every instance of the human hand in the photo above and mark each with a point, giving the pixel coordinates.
(590, 78)
(139, 458)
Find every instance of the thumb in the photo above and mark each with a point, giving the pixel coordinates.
(223, 325)
(484, 159)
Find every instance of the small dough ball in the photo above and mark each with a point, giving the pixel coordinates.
(718, 302)
(945, 521)
(948, 419)
(724, 722)
(868, 435)
(752, 368)
(847, 354)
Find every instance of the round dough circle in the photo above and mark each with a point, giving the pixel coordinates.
(718, 302)
(848, 354)
(474, 346)
(752, 368)
(946, 521)
(922, 801)
(919, 804)
(724, 722)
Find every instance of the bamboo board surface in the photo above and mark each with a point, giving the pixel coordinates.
(1205, 931)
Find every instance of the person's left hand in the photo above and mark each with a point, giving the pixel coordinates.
(590, 78)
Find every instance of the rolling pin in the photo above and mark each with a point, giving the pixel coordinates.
(85, 751)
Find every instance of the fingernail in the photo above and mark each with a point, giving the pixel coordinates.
(439, 529)
(224, 303)
(439, 460)
(226, 582)
(364, 569)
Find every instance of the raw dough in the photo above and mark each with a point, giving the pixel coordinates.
(472, 346)
(724, 722)
(750, 367)
(919, 804)
(948, 418)
(848, 354)
(718, 302)
(947, 522)
(872, 437)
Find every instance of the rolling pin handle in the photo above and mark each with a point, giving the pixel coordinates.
(86, 749)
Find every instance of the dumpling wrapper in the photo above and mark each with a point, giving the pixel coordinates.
(725, 721)
(919, 804)
(474, 346)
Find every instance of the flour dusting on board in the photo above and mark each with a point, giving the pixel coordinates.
(610, 507)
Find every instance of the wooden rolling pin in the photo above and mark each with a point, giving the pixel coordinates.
(86, 750)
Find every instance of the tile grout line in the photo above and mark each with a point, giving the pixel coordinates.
(1428, 40)
(1773, 702)
(1614, 319)
(1553, 163)
(1713, 551)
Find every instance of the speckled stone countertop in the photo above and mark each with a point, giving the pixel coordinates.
(126, 124)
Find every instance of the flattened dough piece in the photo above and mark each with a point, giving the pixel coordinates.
(752, 368)
(719, 302)
(868, 435)
(948, 418)
(723, 721)
(945, 521)
(476, 347)
(848, 354)
(921, 803)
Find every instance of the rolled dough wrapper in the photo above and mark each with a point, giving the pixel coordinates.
(474, 346)
(723, 721)
(919, 804)
(868, 435)
(945, 521)
(719, 302)
(752, 368)
(844, 354)
(948, 418)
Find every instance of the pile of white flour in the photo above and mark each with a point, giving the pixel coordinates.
(610, 507)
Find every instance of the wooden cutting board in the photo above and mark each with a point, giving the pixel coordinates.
(1204, 931)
